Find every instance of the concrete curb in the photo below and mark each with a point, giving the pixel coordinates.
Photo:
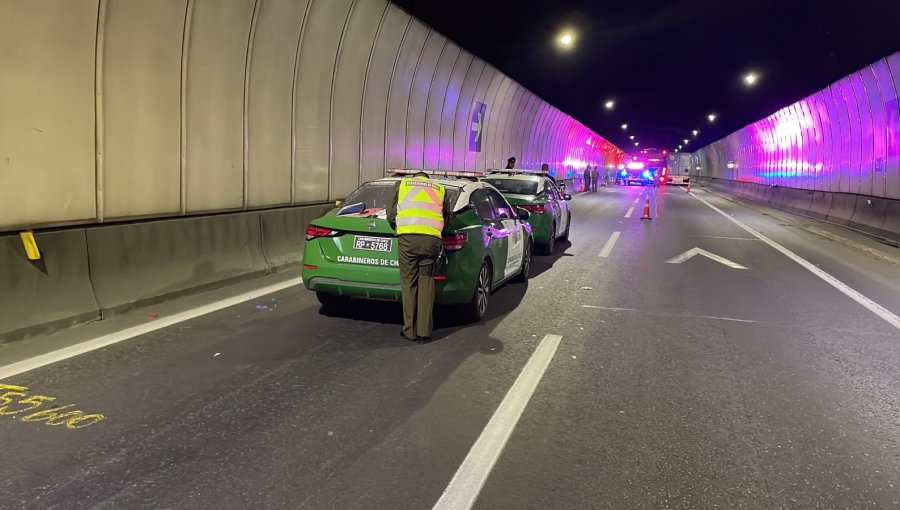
(872, 215)
(140, 263)
(33, 301)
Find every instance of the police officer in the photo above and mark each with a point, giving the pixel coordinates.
(419, 210)
(510, 163)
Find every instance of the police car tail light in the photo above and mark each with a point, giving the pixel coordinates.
(313, 232)
(455, 242)
(533, 208)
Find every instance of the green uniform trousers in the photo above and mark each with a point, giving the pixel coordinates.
(418, 254)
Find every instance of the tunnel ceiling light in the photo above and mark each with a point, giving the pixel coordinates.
(712, 117)
(636, 144)
(609, 104)
(631, 137)
(624, 126)
(695, 132)
(686, 141)
(679, 146)
(566, 39)
(750, 79)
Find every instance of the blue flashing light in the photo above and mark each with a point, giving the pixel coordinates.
(646, 174)
(623, 173)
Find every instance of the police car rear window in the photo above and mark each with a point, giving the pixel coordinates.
(514, 186)
(378, 195)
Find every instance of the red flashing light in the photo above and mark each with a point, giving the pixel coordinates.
(309, 266)
(440, 278)
(533, 208)
(455, 242)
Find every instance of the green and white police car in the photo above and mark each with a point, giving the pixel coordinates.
(351, 251)
(551, 214)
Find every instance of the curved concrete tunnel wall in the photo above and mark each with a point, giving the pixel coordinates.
(167, 146)
(132, 109)
(834, 154)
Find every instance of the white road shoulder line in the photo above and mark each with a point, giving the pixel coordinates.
(630, 211)
(607, 248)
(466, 484)
(125, 334)
(874, 307)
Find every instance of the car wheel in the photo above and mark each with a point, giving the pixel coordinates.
(331, 300)
(525, 273)
(548, 248)
(475, 309)
(565, 236)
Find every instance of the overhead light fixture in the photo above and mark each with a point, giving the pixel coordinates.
(750, 79)
(686, 141)
(636, 144)
(609, 104)
(624, 126)
(695, 132)
(566, 39)
(711, 117)
(631, 137)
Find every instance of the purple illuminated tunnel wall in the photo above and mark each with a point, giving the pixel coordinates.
(844, 138)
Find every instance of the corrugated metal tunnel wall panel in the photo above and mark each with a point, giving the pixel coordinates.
(844, 138)
(122, 109)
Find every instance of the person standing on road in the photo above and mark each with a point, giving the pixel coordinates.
(545, 171)
(419, 210)
(587, 178)
(595, 177)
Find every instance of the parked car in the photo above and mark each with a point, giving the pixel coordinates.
(351, 251)
(551, 214)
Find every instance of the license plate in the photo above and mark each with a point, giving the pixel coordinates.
(372, 243)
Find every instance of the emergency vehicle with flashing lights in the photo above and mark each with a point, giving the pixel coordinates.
(645, 168)
(351, 251)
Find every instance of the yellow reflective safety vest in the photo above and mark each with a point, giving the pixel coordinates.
(420, 207)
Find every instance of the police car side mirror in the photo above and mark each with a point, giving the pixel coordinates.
(567, 197)
(523, 214)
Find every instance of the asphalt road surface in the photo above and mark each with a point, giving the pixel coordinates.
(613, 379)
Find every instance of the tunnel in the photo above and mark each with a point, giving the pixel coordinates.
(171, 174)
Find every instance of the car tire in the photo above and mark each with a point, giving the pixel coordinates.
(525, 273)
(475, 309)
(565, 236)
(549, 246)
(331, 300)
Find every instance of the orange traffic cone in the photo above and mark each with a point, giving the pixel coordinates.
(689, 187)
(646, 215)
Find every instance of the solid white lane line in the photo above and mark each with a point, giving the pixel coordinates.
(125, 334)
(636, 200)
(628, 214)
(466, 484)
(607, 248)
(874, 307)
(612, 309)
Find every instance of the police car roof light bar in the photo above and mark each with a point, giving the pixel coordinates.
(436, 173)
(513, 171)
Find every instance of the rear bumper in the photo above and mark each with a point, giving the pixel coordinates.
(377, 282)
